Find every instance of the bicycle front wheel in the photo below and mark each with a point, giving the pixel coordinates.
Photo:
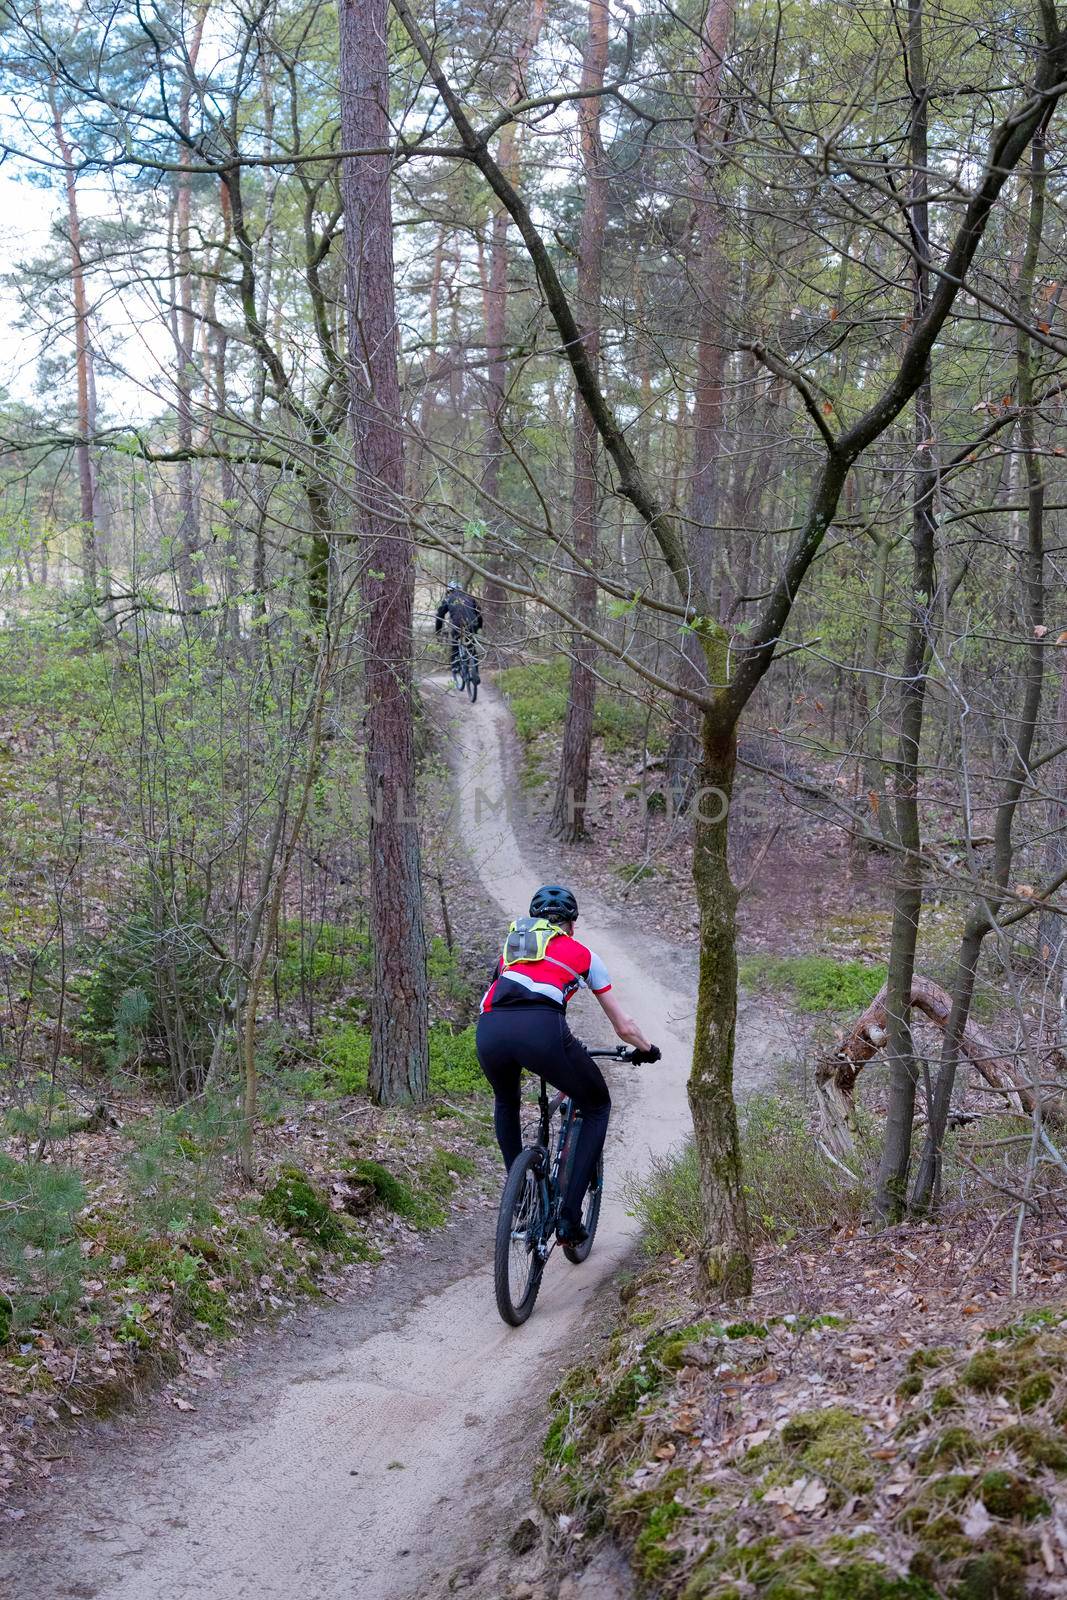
(590, 1216)
(520, 1229)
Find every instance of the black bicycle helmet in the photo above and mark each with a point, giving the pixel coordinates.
(555, 903)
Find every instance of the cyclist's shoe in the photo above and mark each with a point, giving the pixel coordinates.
(572, 1233)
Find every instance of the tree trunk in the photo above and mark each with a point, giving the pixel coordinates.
(496, 317)
(683, 750)
(185, 338)
(708, 443)
(86, 490)
(568, 815)
(399, 1058)
(1052, 932)
(880, 824)
(982, 918)
(726, 1257)
(891, 1191)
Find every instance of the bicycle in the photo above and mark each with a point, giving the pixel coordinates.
(465, 666)
(530, 1204)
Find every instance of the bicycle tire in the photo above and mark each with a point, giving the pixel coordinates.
(577, 1253)
(523, 1184)
(472, 687)
(457, 678)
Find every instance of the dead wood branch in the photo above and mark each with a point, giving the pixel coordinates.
(836, 1074)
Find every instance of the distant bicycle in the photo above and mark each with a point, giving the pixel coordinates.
(530, 1204)
(465, 667)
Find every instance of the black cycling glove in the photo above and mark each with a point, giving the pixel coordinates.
(645, 1058)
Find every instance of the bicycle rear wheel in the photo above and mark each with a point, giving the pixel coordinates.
(577, 1253)
(520, 1228)
(472, 682)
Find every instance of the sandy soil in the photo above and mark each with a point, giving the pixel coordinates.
(382, 1450)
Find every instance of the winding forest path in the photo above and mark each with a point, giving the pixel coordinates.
(393, 1442)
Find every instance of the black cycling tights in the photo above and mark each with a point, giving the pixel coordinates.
(538, 1038)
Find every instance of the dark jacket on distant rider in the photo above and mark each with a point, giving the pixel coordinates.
(462, 611)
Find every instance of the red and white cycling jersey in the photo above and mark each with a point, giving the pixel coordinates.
(565, 966)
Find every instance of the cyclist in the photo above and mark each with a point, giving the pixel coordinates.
(464, 617)
(523, 1023)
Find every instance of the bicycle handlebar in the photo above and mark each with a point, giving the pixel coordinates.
(618, 1053)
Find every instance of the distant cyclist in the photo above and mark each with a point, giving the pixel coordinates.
(523, 1023)
(464, 617)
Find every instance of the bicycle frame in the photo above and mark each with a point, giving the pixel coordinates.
(550, 1163)
(555, 1165)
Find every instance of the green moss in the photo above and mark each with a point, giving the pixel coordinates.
(909, 1386)
(993, 1575)
(626, 1397)
(954, 1447)
(648, 1517)
(421, 1210)
(952, 1489)
(987, 1372)
(1035, 1390)
(853, 1580)
(1009, 1495)
(775, 1570)
(300, 1207)
(1043, 1317)
(668, 1348)
(831, 1444)
(1021, 1370)
(443, 1170)
(942, 1539)
(926, 1359)
(1041, 1447)
(945, 1398)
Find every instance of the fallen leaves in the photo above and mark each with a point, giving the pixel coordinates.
(804, 1494)
(977, 1522)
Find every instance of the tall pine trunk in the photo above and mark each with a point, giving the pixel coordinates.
(184, 337)
(568, 815)
(496, 321)
(82, 353)
(399, 1061)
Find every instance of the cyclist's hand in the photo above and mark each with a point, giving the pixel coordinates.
(645, 1058)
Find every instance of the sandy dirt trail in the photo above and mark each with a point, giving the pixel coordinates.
(365, 1467)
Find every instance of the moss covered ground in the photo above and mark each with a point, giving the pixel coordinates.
(810, 1457)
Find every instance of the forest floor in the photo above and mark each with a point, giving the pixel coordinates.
(385, 1442)
(383, 1445)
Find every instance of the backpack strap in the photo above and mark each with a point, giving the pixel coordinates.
(540, 925)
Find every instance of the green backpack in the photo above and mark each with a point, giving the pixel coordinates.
(527, 940)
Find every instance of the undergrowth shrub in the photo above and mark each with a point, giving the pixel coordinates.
(321, 956)
(176, 1167)
(40, 1259)
(454, 1068)
(150, 999)
(537, 692)
(789, 1185)
(818, 983)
